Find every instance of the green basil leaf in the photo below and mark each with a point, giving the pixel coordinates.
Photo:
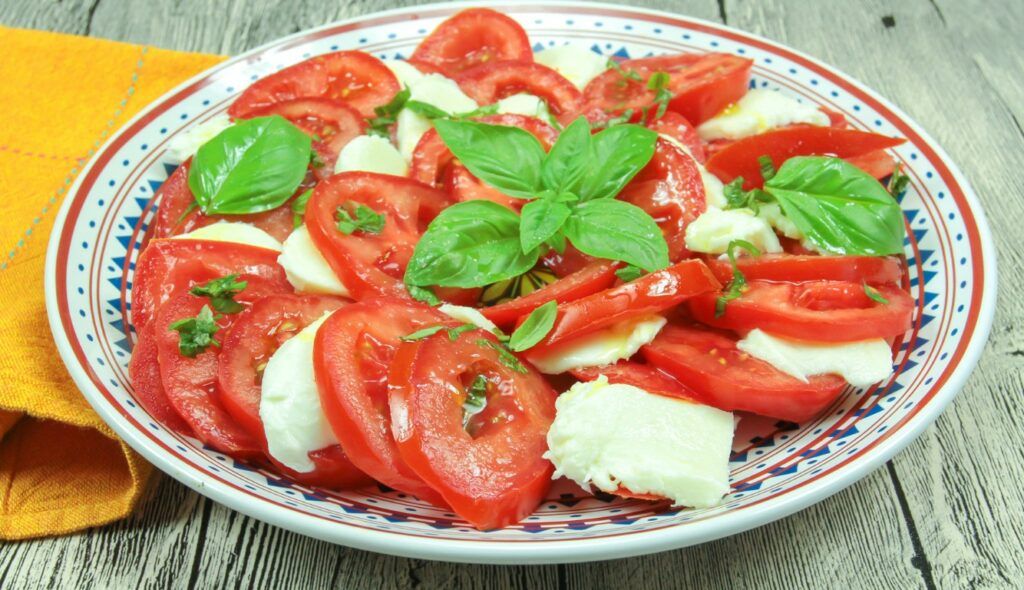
(423, 294)
(427, 110)
(535, 328)
(507, 158)
(541, 220)
(252, 166)
(470, 244)
(616, 155)
(617, 230)
(566, 163)
(629, 273)
(839, 207)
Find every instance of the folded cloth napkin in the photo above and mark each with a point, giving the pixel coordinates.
(61, 468)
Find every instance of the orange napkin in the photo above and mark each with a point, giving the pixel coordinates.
(61, 468)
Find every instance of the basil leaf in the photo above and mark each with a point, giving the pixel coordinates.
(874, 295)
(535, 328)
(839, 207)
(566, 163)
(387, 114)
(250, 167)
(427, 110)
(616, 155)
(421, 334)
(617, 230)
(507, 158)
(299, 208)
(541, 220)
(470, 244)
(629, 273)
(423, 295)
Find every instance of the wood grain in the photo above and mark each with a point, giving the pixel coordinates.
(944, 514)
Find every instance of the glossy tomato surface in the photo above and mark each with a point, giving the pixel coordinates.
(646, 377)
(590, 279)
(491, 82)
(811, 267)
(470, 38)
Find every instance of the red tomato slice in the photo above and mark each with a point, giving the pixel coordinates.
(470, 38)
(646, 377)
(144, 371)
(678, 128)
(740, 157)
(332, 469)
(353, 77)
(255, 335)
(824, 311)
(670, 189)
(709, 363)
(461, 185)
(177, 214)
(799, 268)
(596, 276)
(169, 267)
(371, 264)
(489, 83)
(644, 296)
(701, 85)
(568, 262)
(492, 472)
(332, 124)
(352, 353)
(878, 163)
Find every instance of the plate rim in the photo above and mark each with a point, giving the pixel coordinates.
(575, 550)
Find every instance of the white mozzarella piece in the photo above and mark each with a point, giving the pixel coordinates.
(186, 145)
(369, 153)
(435, 90)
(469, 316)
(409, 128)
(406, 73)
(758, 111)
(772, 213)
(860, 363)
(578, 64)
(603, 347)
(524, 104)
(612, 435)
(233, 231)
(715, 228)
(306, 268)
(293, 420)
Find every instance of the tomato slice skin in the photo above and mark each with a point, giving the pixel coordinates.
(596, 276)
(144, 371)
(740, 157)
(646, 377)
(722, 376)
(470, 38)
(351, 356)
(169, 267)
(462, 186)
(493, 81)
(678, 128)
(498, 475)
(353, 77)
(332, 470)
(879, 163)
(817, 311)
(371, 265)
(644, 296)
(874, 270)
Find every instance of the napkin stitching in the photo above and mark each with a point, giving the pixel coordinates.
(74, 170)
(20, 152)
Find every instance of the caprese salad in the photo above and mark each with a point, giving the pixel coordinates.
(465, 274)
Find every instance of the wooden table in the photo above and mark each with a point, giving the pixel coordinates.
(947, 512)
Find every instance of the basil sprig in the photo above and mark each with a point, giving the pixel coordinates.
(250, 167)
(571, 192)
(535, 328)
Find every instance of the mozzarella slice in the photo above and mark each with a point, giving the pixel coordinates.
(404, 71)
(578, 64)
(468, 315)
(436, 90)
(772, 213)
(184, 146)
(525, 104)
(233, 231)
(293, 421)
(369, 153)
(614, 436)
(712, 232)
(604, 347)
(758, 111)
(859, 363)
(306, 268)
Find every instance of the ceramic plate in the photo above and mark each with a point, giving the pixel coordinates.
(776, 468)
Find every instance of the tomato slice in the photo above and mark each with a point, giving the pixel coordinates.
(332, 469)
(879, 163)
(670, 189)
(169, 267)
(353, 77)
(646, 377)
(596, 276)
(491, 82)
(470, 38)
(678, 128)
(461, 185)
(371, 264)
(567, 262)
(722, 376)
(332, 124)
(492, 472)
(701, 85)
(644, 296)
(740, 158)
(822, 311)
(144, 371)
(177, 214)
(873, 270)
(351, 356)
